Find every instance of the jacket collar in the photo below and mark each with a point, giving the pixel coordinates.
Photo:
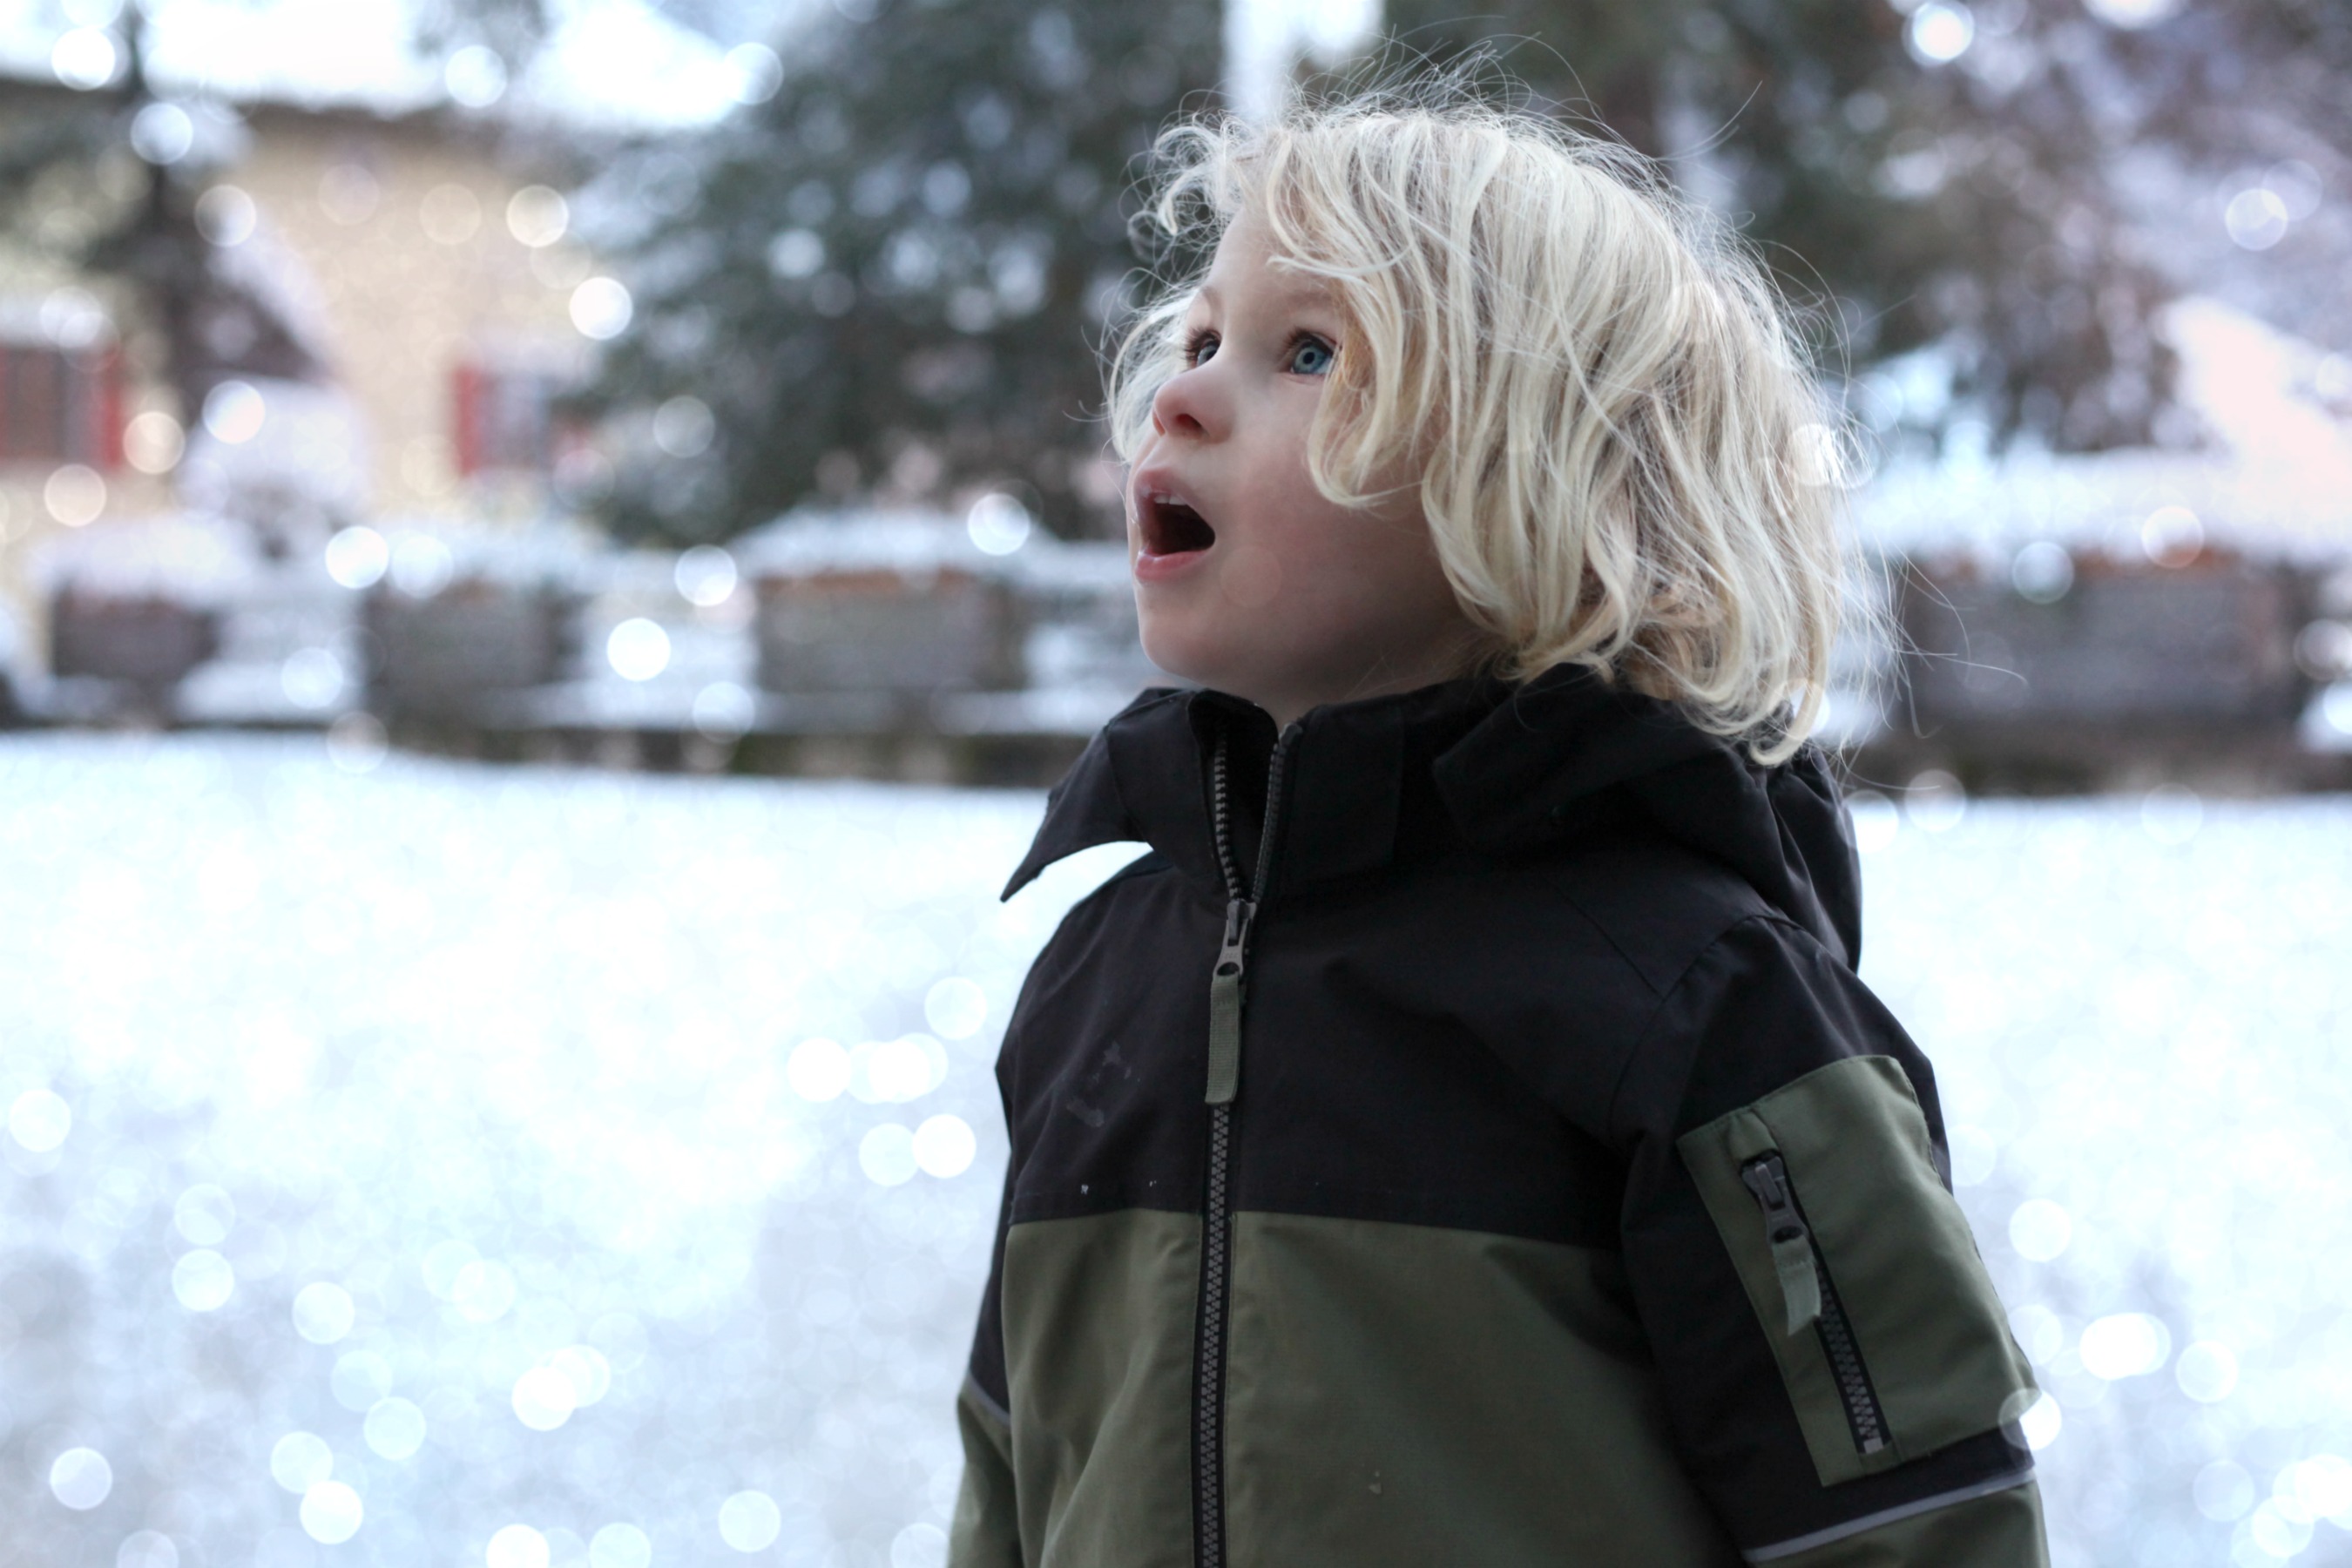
(1475, 763)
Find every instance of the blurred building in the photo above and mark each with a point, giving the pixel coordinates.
(424, 277)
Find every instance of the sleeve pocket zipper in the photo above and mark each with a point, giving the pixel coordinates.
(1810, 1299)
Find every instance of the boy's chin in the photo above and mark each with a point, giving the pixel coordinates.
(1191, 654)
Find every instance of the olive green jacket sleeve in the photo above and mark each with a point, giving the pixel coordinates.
(986, 1533)
(1999, 1531)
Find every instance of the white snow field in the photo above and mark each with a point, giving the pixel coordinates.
(409, 1162)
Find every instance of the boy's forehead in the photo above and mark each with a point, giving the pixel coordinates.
(1246, 271)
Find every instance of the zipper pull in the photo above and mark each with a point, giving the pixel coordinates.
(1225, 1004)
(1766, 1176)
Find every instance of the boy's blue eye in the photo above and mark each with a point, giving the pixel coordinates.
(1311, 356)
(1201, 349)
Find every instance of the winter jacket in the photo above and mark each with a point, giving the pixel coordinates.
(1463, 1140)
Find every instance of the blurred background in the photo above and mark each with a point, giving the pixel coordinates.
(548, 549)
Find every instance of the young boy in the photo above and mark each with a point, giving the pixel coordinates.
(1463, 1140)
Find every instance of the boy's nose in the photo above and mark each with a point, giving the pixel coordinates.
(1188, 405)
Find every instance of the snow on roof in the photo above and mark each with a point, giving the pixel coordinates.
(2103, 502)
(806, 542)
(2277, 483)
(429, 553)
(913, 543)
(187, 558)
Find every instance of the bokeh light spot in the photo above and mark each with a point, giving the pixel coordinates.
(757, 72)
(75, 494)
(585, 1368)
(300, 1460)
(226, 216)
(312, 677)
(2223, 1490)
(2040, 1230)
(331, 1513)
(2124, 1345)
(2041, 571)
(944, 1146)
(395, 1428)
(203, 1280)
(2132, 13)
(450, 214)
(2040, 1332)
(234, 412)
(750, 1521)
(322, 1312)
(2172, 536)
(84, 58)
(41, 1119)
(601, 309)
(483, 1291)
(1876, 820)
(162, 133)
(2256, 218)
(997, 524)
(706, 575)
(1940, 31)
(2206, 1371)
(360, 1379)
(919, 1546)
(620, 1546)
(474, 76)
(637, 649)
(516, 1546)
(683, 426)
(1935, 801)
(887, 1154)
(543, 1399)
(818, 1070)
(955, 1008)
(153, 443)
(2041, 1422)
(147, 1549)
(538, 216)
(80, 1478)
(356, 743)
(204, 1215)
(724, 711)
(2171, 813)
(358, 557)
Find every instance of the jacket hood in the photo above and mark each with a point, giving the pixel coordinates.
(1475, 764)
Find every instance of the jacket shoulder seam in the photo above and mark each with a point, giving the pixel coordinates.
(1673, 989)
(1731, 919)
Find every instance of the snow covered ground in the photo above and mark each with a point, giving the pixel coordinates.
(430, 1162)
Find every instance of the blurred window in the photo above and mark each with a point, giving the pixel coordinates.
(509, 419)
(59, 408)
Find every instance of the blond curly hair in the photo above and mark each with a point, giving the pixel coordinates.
(1624, 455)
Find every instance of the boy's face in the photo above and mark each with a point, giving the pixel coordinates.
(1247, 579)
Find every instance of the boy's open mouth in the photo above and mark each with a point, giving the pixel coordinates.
(1171, 526)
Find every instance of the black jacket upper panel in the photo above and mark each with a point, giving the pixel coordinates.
(1506, 770)
(1517, 941)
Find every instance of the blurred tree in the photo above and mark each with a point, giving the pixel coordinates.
(1942, 172)
(1938, 186)
(210, 323)
(890, 277)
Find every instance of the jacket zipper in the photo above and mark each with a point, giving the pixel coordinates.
(1812, 1299)
(1226, 982)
